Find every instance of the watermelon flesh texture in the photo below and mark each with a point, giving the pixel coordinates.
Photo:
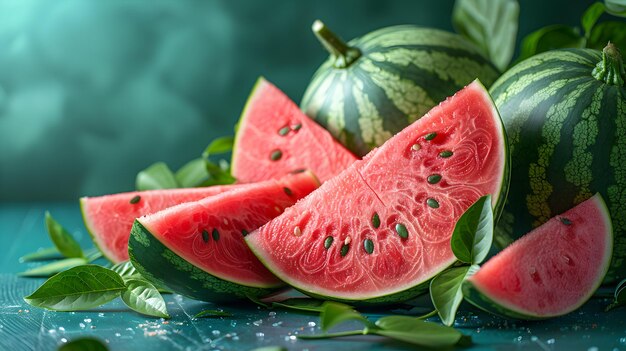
(208, 233)
(274, 138)
(552, 270)
(109, 218)
(369, 235)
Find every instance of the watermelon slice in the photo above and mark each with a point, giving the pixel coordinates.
(379, 231)
(197, 249)
(274, 138)
(552, 270)
(109, 218)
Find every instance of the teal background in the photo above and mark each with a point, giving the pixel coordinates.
(91, 92)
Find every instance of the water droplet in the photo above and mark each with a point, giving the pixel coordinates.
(260, 335)
(61, 329)
(272, 314)
(593, 348)
(622, 340)
(87, 320)
(311, 324)
(52, 332)
(258, 322)
(534, 338)
(63, 340)
(550, 341)
(118, 334)
(277, 324)
(216, 332)
(81, 325)
(100, 314)
(233, 324)
(291, 338)
(235, 338)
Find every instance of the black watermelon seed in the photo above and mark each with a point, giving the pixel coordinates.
(566, 221)
(244, 232)
(344, 249)
(299, 170)
(328, 241)
(297, 127)
(375, 220)
(432, 203)
(445, 154)
(434, 178)
(283, 131)
(368, 244)
(205, 236)
(430, 136)
(135, 199)
(276, 155)
(402, 231)
(288, 191)
(215, 234)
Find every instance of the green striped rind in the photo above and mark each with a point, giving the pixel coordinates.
(566, 133)
(164, 268)
(403, 72)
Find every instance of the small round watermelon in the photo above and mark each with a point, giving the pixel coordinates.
(197, 248)
(380, 230)
(552, 270)
(275, 138)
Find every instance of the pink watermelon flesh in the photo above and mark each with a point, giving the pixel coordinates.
(274, 138)
(391, 183)
(553, 269)
(110, 218)
(187, 229)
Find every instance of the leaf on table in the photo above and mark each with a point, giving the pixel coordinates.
(44, 254)
(591, 16)
(620, 296)
(473, 233)
(157, 176)
(212, 313)
(126, 270)
(62, 239)
(612, 31)
(79, 288)
(334, 313)
(445, 291)
(616, 7)
(84, 344)
(417, 331)
(300, 304)
(144, 298)
(53, 267)
(549, 38)
(491, 25)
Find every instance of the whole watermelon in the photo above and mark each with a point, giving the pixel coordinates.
(565, 115)
(374, 86)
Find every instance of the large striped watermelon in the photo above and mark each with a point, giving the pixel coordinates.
(374, 86)
(565, 114)
(378, 231)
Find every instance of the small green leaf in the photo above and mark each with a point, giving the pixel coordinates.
(219, 146)
(445, 291)
(491, 25)
(549, 38)
(53, 267)
(157, 176)
(218, 174)
(212, 313)
(78, 288)
(258, 301)
(84, 344)
(49, 253)
(62, 239)
(473, 232)
(591, 16)
(417, 332)
(612, 31)
(616, 7)
(144, 298)
(334, 313)
(192, 174)
(620, 296)
(300, 304)
(126, 270)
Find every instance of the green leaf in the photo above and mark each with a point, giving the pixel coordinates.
(417, 332)
(53, 267)
(62, 239)
(620, 296)
(301, 304)
(591, 16)
(192, 174)
(257, 301)
(157, 176)
(218, 174)
(78, 288)
(219, 146)
(473, 232)
(334, 313)
(49, 253)
(549, 38)
(93, 255)
(491, 25)
(126, 270)
(616, 7)
(212, 313)
(445, 291)
(615, 32)
(84, 344)
(143, 297)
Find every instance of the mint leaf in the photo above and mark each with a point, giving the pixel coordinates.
(445, 291)
(549, 38)
(49, 253)
(78, 288)
(62, 239)
(616, 7)
(212, 313)
(144, 298)
(334, 313)
(417, 332)
(301, 304)
(157, 176)
(473, 233)
(84, 344)
(218, 174)
(53, 267)
(491, 25)
(591, 16)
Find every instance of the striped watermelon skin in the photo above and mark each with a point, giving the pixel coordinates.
(567, 136)
(403, 71)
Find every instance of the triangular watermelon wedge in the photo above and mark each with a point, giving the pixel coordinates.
(379, 231)
(274, 138)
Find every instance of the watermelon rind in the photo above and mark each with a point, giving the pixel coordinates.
(164, 268)
(478, 297)
(92, 233)
(241, 122)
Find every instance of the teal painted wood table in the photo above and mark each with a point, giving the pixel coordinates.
(23, 327)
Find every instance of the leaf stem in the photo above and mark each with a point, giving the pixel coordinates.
(343, 54)
(428, 315)
(334, 335)
(611, 69)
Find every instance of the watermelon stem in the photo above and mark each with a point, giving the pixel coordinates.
(611, 69)
(342, 54)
